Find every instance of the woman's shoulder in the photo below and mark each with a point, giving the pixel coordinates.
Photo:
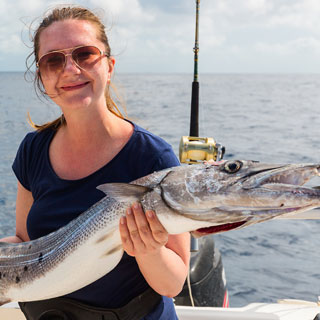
(148, 138)
(33, 145)
(151, 151)
(30, 153)
(37, 138)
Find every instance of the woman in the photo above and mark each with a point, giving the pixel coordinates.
(59, 166)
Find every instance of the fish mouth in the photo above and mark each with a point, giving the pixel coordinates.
(281, 176)
(277, 180)
(289, 180)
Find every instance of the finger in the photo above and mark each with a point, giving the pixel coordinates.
(133, 230)
(142, 225)
(125, 236)
(159, 233)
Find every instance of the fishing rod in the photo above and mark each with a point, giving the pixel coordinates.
(194, 149)
(194, 117)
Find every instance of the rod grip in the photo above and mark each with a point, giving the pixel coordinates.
(194, 118)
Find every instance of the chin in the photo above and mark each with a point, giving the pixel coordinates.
(72, 103)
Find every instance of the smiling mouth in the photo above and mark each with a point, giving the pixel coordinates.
(75, 87)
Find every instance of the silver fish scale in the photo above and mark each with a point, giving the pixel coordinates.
(29, 261)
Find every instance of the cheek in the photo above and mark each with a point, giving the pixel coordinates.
(48, 86)
(46, 83)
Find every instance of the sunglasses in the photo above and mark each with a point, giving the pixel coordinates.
(83, 56)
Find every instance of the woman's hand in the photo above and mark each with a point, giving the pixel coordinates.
(142, 233)
(158, 254)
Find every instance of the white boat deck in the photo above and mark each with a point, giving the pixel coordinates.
(286, 310)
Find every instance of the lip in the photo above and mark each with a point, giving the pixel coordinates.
(74, 86)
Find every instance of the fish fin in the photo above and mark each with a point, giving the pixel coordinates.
(4, 301)
(123, 192)
(154, 178)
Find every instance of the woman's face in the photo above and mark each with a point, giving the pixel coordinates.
(74, 87)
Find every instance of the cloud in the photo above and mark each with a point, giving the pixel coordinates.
(298, 14)
(259, 7)
(15, 23)
(125, 12)
(299, 45)
(265, 13)
(160, 34)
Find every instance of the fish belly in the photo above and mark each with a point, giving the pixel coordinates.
(89, 262)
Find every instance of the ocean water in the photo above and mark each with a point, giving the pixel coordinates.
(270, 118)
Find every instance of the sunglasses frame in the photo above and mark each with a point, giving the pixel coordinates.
(102, 53)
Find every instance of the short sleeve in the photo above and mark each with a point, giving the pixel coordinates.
(167, 159)
(154, 154)
(21, 163)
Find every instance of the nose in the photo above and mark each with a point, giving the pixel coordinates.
(70, 65)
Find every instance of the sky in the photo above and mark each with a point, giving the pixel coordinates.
(157, 36)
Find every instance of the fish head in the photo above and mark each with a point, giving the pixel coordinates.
(235, 193)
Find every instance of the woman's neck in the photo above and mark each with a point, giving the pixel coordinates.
(97, 125)
(84, 145)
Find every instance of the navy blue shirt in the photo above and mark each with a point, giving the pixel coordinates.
(58, 201)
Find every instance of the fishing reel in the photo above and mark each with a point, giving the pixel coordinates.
(196, 150)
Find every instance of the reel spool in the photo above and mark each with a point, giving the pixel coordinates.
(196, 150)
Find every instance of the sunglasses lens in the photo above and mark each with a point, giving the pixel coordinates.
(52, 63)
(86, 56)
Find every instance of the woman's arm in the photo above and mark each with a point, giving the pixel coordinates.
(163, 259)
(23, 205)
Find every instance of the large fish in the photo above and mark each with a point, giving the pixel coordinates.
(201, 199)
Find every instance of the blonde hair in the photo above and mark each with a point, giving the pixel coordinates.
(61, 14)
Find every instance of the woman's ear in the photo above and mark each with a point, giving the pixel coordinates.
(111, 62)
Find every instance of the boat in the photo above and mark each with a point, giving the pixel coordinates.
(282, 310)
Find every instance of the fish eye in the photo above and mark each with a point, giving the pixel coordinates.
(232, 166)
